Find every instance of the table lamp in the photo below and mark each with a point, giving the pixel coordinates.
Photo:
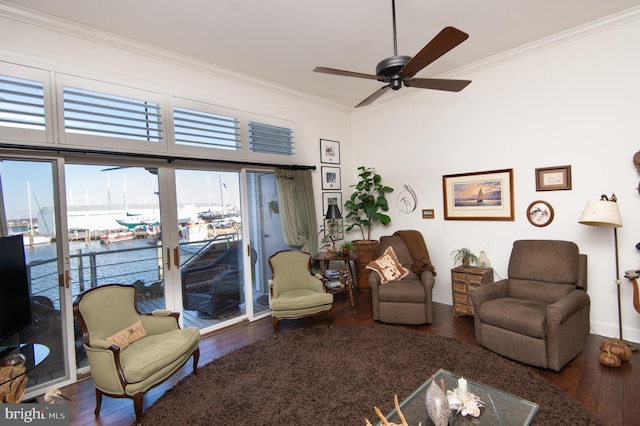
(333, 215)
(604, 213)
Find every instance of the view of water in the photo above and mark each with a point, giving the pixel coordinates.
(123, 262)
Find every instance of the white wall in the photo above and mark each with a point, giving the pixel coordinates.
(575, 103)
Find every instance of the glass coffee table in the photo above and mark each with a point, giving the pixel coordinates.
(500, 408)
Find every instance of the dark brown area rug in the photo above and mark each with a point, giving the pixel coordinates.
(334, 376)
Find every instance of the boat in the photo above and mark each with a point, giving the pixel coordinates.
(480, 196)
(133, 220)
(30, 239)
(115, 237)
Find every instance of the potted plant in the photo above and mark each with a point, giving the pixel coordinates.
(368, 202)
(366, 206)
(464, 256)
(347, 247)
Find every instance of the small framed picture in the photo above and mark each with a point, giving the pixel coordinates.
(330, 177)
(540, 213)
(329, 198)
(428, 214)
(553, 178)
(329, 151)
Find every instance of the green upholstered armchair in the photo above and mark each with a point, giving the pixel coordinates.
(147, 353)
(540, 314)
(295, 293)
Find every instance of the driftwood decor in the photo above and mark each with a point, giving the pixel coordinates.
(13, 379)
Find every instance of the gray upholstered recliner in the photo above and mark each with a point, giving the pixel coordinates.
(540, 314)
(408, 301)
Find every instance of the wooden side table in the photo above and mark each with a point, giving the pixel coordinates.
(463, 280)
(345, 273)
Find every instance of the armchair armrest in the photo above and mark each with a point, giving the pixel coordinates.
(427, 278)
(314, 283)
(160, 323)
(567, 306)
(487, 292)
(101, 344)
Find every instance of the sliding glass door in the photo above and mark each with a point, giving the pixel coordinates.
(28, 208)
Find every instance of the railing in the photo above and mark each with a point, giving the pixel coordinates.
(141, 264)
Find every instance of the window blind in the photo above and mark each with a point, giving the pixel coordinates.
(22, 103)
(270, 139)
(197, 128)
(100, 114)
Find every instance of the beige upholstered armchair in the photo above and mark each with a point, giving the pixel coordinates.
(540, 314)
(295, 293)
(408, 300)
(129, 352)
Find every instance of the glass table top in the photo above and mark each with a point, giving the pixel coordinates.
(500, 408)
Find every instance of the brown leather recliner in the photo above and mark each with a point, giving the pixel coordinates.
(408, 301)
(540, 314)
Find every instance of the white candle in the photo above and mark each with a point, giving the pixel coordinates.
(463, 392)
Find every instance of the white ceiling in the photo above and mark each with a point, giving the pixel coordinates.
(281, 41)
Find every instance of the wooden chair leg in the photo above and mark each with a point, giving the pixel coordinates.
(330, 315)
(138, 402)
(98, 402)
(196, 357)
(275, 326)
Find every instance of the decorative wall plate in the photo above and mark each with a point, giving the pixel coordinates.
(540, 213)
(407, 199)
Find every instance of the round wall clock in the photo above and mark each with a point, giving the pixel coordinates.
(407, 199)
(540, 213)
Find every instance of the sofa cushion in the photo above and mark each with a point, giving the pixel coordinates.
(146, 356)
(522, 316)
(409, 290)
(388, 267)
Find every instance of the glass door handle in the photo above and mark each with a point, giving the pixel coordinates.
(168, 258)
(176, 257)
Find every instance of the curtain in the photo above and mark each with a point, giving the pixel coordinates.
(297, 209)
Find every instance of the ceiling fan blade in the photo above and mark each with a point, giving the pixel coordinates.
(375, 95)
(437, 84)
(344, 73)
(446, 40)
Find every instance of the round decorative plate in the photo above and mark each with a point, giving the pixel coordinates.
(540, 213)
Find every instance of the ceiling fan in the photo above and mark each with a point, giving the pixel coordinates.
(398, 70)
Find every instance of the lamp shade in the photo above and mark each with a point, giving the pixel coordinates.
(333, 212)
(601, 213)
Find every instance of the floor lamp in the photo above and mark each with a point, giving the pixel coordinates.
(604, 213)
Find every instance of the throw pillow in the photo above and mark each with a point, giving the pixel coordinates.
(128, 335)
(388, 266)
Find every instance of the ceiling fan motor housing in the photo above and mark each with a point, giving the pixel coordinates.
(390, 68)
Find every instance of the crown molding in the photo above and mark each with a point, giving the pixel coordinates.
(74, 29)
(552, 41)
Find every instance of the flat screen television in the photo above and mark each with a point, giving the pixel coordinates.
(15, 301)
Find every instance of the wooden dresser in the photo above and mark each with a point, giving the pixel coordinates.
(463, 279)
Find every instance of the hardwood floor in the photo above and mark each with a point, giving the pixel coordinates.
(611, 393)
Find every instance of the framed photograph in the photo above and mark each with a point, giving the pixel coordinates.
(329, 151)
(330, 177)
(428, 214)
(333, 229)
(540, 213)
(553, 178)
(479, 195)
(329, 198)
